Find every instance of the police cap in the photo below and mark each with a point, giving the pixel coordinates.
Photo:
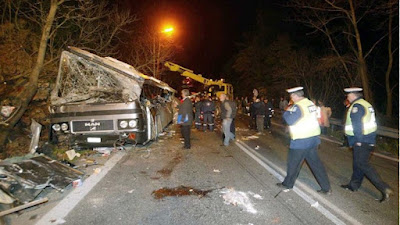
(352, 90)
(293, 90)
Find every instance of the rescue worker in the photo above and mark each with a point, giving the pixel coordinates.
(208, 113)
(304, 134)
(197, 112)
(269, 112)
(360, 129)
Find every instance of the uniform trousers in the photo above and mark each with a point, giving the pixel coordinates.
(197, 120)
(295, 160)
(260, 123)
(208, 120)
(361, 168)
(185, 130)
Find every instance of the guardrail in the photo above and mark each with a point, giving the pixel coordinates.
(382, 131)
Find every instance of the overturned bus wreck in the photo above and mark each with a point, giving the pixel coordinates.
(100, 101)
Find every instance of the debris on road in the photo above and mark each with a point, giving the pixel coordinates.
(36, 128)
(216, 171)
(24, 206)
(72, 154)
(131, 191)
(178, 192)
(257, 147)
(24, 180)
(77, 183)
(315, 205)
(238, 198)
(250, 137)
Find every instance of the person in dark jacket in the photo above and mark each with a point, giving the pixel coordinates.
(259, 113)
(269, 111)
(197, 112)
(208, 110)
(185, 117)
(252, 111)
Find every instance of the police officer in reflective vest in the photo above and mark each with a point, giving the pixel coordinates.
(208, 110)
(304, 132)
(360, 129)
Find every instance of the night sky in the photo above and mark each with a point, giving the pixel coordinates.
(207, 30)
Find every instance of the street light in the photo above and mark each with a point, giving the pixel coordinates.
(168, 30)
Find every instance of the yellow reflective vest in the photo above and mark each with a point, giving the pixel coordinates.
(307, 126)
(368, 120)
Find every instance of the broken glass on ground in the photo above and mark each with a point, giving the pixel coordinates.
(25, 180)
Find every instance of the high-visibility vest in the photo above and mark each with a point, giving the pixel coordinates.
(368, 120)
(307, 126)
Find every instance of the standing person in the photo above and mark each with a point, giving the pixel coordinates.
(345, 143)
(197, 112)
(253, 114)
(269, 112)
(208, 112)
(185, 117)
(259, 113)
(304, 134)
(283, 103)
(360, 130)
(226, 116)
(326, 113)
(234, 112)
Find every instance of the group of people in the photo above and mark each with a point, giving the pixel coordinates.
(303, 118)
(360, 130)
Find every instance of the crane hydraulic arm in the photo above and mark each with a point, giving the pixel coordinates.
(227, 88)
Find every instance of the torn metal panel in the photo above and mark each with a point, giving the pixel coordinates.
(25, 180)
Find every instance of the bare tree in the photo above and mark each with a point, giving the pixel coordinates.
(340, 18)
(26, 96)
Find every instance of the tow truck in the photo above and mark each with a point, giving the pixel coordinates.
(215, 88)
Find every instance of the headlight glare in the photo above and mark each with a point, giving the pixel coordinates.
(132, 123)
(64, 126)
(56, 127)
(123, 124)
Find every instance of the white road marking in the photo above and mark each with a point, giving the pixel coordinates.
(276, 172)
(65, 206)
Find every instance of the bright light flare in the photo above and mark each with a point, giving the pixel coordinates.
(168, 30)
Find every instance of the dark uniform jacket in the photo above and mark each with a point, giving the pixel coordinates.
(268, 109)
(197, 106)
(258, 109)
(208, 107)
(186, 112)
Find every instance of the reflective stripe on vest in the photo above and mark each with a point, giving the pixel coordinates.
(307, 126)
(368, 121)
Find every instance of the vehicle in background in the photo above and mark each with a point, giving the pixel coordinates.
(214, 88)
(100, 101)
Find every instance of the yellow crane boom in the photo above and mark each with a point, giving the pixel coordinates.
(223, 87)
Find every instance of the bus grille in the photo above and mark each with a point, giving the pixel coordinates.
(87, 126)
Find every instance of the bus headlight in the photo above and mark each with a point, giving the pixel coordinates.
(123, 124)
(56, 127)
(64, 126)
(132, 123)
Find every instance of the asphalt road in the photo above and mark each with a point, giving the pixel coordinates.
(239, 181)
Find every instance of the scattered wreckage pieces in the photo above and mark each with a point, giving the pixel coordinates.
(24, 206)
(24, 180)
(240, 198)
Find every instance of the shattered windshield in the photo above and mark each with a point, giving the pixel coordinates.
(94, 80)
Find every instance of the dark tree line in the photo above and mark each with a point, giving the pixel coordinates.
(340, 44)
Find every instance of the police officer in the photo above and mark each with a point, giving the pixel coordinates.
(197, 112)
(304, 132)
(360, 129)
(208, 112)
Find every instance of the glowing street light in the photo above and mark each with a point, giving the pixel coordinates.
(168, 30)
